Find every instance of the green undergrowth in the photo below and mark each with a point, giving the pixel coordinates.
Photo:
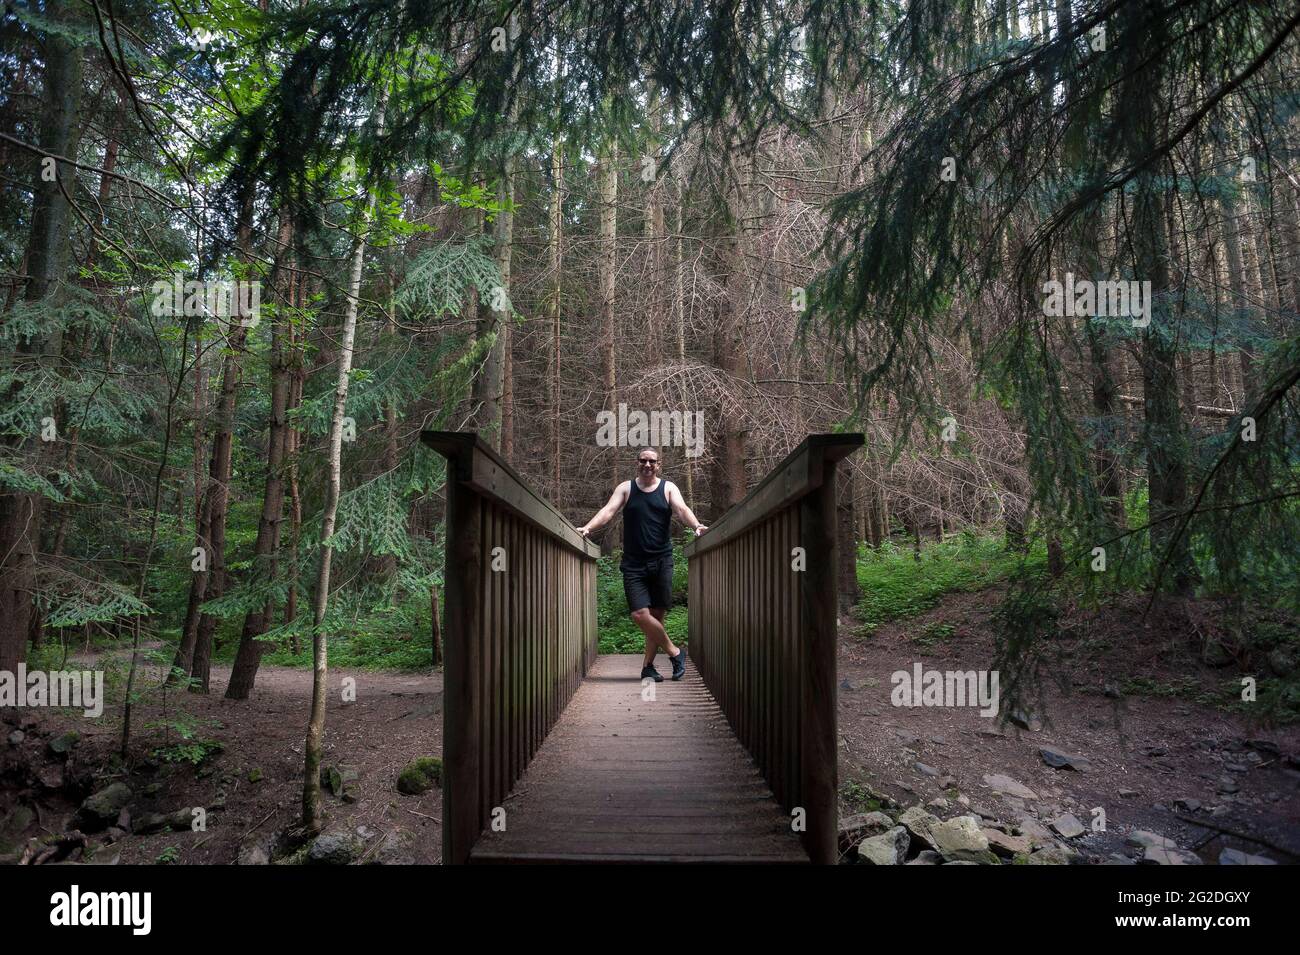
(618, 634)
(358, 650)
(897, 583)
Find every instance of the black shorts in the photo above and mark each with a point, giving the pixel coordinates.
(648, 583)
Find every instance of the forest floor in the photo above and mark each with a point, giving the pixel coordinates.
(1158, 756)
(252, 788)
(1144, 751)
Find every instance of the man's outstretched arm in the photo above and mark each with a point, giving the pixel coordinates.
(683, 512)
(608, 512)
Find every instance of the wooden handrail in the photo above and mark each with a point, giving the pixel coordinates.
(763, 629)
(520, 633)
(478, 465)
(801, 471)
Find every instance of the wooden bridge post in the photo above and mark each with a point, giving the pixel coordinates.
(462, 722)
(818, 520)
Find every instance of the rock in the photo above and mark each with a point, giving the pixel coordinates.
(920, 824)
(63, 745)
(1128, 793)
(846, 685)
(857, 827)
(1227, 785)
(181, 819)
(1111, 692)
(927, 857)
(1026, 721)
(420, 776)
(1058, 759)
(101, 809)
(1005, 845)
(21, 817)
(1237, 857)
(1116, 859)
(961, 840)
(1054, 854)
(16, 737)
(1154, 751)
(1215, 654)
(1145, 838)
(254, 852)
(1068, 826)
(397, 848)
(889, 848)
(1009, 787)
(1282, 661)
(1265, 746)
(1159, 855)
(925, 770)
(334, 848)
(1187, 803)
(336, 778)
(150, 822)
(52, 776)
(938, 803)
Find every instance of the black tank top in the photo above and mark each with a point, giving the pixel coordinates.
(646, 519)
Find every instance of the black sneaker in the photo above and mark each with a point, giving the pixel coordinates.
(651, 673)
(679, 664)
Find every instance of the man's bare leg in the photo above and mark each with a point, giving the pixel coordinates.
(650, 620)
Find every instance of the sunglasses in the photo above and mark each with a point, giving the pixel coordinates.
(646, 461)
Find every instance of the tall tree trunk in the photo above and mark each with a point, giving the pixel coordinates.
(46, 257)
(606, 256)
(1241, 307)
(653, 231)
(1143, 92)
(243, 673)
(679, 323)
(312, 813)
(209, 586)
(731, 355)
(293, 443)
(555, 226)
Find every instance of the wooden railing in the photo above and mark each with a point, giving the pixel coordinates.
(762, 617)
(520, 585)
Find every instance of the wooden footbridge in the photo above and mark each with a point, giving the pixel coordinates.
(552, 753)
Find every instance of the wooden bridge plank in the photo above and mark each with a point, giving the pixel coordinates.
(620, 778)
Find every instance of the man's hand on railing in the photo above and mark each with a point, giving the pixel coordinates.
(584, 531)
(700, 530)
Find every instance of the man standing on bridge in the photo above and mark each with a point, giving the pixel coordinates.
(648, 504)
